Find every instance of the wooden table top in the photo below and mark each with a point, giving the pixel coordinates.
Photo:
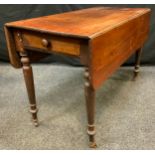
(86, 23)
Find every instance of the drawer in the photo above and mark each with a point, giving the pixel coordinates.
(46, 42)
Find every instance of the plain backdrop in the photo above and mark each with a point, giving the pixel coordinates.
(13, 12)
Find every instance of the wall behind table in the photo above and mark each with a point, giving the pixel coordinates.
(14, 12)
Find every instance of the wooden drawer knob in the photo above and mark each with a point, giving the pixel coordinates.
(45, 42)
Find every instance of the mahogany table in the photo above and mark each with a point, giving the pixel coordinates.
(102, 37)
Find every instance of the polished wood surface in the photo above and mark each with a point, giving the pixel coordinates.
(85, 23)
(46, 42)
(28, 76)
(113, 48)
(13, 55)
(102, 38)
(90, 106)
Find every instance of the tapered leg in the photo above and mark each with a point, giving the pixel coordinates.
(90, 106)
(137, 63)
(28, 76)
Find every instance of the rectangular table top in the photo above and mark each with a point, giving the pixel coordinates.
(86, 23)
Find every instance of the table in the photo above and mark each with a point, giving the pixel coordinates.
(103, 38)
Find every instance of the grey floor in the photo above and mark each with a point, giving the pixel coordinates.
(125, 110)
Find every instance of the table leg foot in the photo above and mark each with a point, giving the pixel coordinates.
(90, 106)
(35, 122)
(28, 76)
(91, 134)
(34, 116)
(92, 145)
(137, 63)
(136, 72)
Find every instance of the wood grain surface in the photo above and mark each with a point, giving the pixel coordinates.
(111, 49)
(85, 23)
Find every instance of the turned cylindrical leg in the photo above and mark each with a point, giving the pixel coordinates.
(28, 76)
(137, 63)
(90, 106)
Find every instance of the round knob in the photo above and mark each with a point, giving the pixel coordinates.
(45, 42)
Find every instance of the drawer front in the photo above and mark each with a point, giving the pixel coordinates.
(46, 42)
